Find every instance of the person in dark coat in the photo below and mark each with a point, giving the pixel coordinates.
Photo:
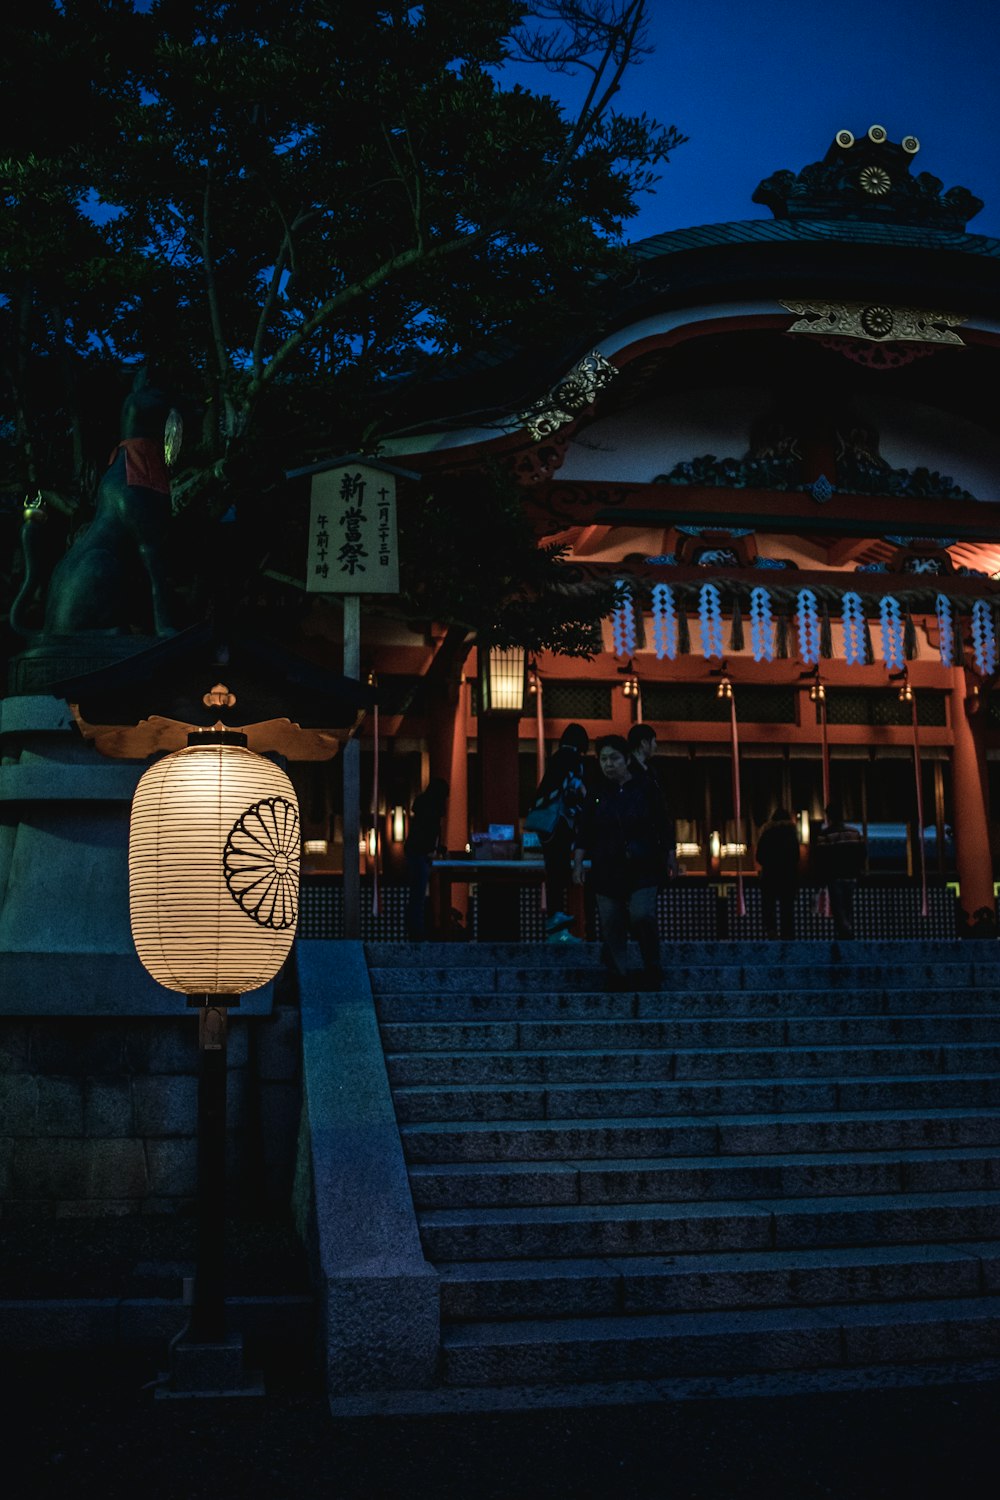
(778, 859)
(623, 832)
(642, 748)
(423, 841)
(840, 859)
(563, 784)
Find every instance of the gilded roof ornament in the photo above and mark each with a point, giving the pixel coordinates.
(868, 177)
(577, 390)
(876, 322)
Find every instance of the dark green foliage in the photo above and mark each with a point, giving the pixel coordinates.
(297, 199)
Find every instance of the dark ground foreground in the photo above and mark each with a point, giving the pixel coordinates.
(83, 1427)
(88, 1427)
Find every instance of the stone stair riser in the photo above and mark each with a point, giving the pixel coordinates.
(679, 979)
(752, 1135)
(650, 1348)
(800, 953)
(539, 1289)
(703, 1005)
(661, 1065)
(698, 1180)
(581, 1101)
(676, 1230)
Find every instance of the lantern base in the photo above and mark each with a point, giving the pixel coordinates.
(208, 1370)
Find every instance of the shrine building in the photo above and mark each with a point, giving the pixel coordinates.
(779, 440)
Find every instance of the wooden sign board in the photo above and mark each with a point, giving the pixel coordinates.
(353, 547)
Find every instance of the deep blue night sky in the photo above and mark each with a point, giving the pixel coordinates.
(762, 84)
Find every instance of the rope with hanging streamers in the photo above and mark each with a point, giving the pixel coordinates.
(664, 621)
(808, 617)
(623, 623)
(984, 641)
(946, 630)
(892, 633)
(854, 629)
(710, 615)
(761, 625)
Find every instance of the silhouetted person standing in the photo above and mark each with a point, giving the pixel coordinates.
(642, 748)
(778, 859)
(840, 858)
(562, 787)
(422, 843)
(623, 831)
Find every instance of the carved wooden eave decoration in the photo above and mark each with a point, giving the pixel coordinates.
(155, 735)
(876, 322)
(569, 396)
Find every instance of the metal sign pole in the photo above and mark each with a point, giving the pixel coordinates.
(351, 759)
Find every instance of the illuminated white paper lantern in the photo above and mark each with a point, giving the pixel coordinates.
(502, 680)
(214, 867)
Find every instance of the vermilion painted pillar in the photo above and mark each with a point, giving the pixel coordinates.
(971, 799)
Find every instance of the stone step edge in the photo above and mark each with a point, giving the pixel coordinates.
(707, 1122)
(897, 1018)
(456, 1400)
(915, 1154)
(789, 1051)
(876, 997)
(455, 1218)
(429, 984)
(640, 1327)
(422, 1090)
(720, 1262)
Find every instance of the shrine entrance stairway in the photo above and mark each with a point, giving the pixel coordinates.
(784, 1162)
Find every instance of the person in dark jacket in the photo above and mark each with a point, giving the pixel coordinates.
(562, 784)
(840, 858)
(642, 748)
(422, 843)
(623, 831)
(778, 859)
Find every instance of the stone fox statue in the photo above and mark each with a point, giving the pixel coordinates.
(90, 586)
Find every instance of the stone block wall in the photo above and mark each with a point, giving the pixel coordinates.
(99, 1115)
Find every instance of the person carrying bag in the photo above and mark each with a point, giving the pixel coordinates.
(554, 816)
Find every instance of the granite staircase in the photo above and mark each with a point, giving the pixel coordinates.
(787, 1159)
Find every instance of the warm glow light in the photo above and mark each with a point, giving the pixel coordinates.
(315, 846)
(818, 692)
(714, 845)
(905, 693)
(214, 846)
(725, 689)
(688, 849)
(372, 842)
(398, 825)
(630, 687)
(502, 684)
(731, 849)
(803, 821)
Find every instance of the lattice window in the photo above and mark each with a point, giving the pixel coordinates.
(694, 701)
(880, 706)
(576, 700)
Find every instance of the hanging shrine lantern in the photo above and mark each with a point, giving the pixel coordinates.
(214, 851)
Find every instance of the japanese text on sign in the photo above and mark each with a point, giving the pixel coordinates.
(352, 532)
